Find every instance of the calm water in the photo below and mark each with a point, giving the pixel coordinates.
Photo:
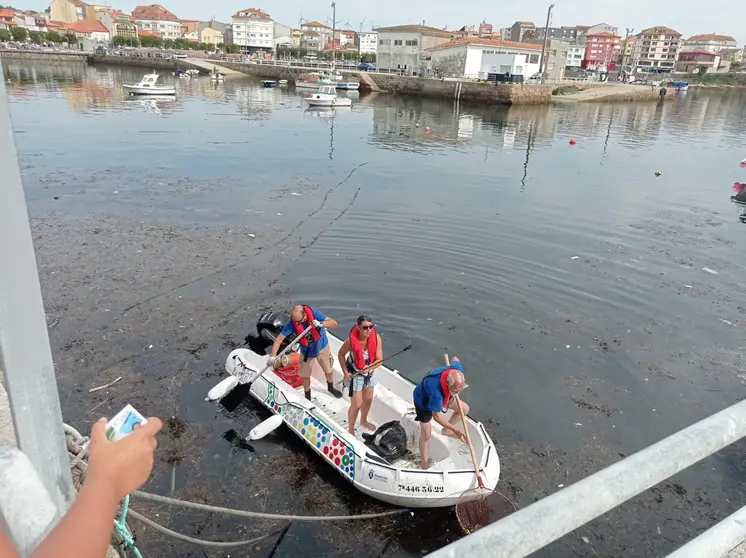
(569, 279)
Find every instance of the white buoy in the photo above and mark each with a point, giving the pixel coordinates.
(222, 389)
(265, 427)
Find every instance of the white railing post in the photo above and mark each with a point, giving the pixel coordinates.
(545, 521)
(25, 355)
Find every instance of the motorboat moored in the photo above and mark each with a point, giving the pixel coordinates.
(348, 85)
(147, 86)
(326, 96)
(312, 80)
(269, 83)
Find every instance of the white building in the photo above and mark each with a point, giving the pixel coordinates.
(472, 57)
(157, 19)
(253, 30)
(283, 36)
(575, 55)
(406, 47)
(367, 43)
(322, 36)
(709, 42)
(656, 49)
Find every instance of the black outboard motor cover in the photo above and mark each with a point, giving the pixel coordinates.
(270, 324)
(389, 441)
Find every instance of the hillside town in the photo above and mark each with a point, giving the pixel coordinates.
(470, 51)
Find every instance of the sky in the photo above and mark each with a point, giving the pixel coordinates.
(689, 17)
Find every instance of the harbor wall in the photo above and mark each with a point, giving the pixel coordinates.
(483, 93)
(138, 61)
(56, 56)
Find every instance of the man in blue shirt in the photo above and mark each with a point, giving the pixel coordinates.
(314, 346)
(432, 399)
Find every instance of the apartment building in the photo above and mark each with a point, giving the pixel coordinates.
(656, 49)
(253, 30)
(157, 19)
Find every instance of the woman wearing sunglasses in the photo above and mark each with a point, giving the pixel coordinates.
(361, 352)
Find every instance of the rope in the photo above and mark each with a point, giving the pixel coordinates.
(207, 544)
(77, 447)
(242, 513)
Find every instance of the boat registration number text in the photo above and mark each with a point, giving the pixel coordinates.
(426, 488)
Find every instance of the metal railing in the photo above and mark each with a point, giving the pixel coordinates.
(545, 521)
(25, 354)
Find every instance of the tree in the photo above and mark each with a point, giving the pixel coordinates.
(368, 57)
(232, 49)
(221, 46)
(210, 47)
(149, 41)
(701, 70)
(168, 43)
(5, 35)
(70, 38)
(53, 37)
(735, 66)
(202, 46)
(19, 33)
(37, 37)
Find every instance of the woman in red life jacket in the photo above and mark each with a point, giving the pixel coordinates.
(365, 350)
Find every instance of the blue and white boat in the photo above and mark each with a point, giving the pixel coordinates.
(678, 85)
(269, 83)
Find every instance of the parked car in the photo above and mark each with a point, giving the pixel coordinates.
(367, 67)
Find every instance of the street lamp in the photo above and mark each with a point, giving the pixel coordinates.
(544, 46)
(334, 31)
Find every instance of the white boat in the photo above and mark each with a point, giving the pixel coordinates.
(326, 96)
(147, 86)
(282, 82)
(348, 85)
(217, 77)
(322, 423)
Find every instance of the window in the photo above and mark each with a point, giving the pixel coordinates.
(384, 42)
(533, 59)
(397, 42)
(411, 43)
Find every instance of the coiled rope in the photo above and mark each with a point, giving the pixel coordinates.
(122, 539)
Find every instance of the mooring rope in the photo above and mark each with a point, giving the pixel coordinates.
(122, 537)
(262, 515)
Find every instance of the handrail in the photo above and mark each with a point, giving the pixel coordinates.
(547, 520)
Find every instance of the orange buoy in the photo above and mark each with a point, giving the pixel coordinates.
(572, 141)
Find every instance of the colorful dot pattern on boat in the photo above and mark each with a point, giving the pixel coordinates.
(336, 450)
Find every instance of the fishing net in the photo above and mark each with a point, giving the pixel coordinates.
(479, 507)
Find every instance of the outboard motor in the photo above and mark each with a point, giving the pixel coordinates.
(270, 324)
(389, 440)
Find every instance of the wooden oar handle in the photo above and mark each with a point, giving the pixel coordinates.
(468, 442)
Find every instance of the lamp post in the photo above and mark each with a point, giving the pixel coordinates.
(334, 30)
(544, 46)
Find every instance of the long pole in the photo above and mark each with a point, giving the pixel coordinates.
(624, 47)
(544, 46)
(334, 32)
(25, 354)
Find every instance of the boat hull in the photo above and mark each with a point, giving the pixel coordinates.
(134, 90)
(321, 424)
(348, 86)
(331, 103)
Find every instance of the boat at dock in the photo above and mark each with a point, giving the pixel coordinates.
(269, 83)
(312, 81)
(147, 86)
(348, 85)
(326, 96)
(282, 82)
(677, 85)
(322, 424)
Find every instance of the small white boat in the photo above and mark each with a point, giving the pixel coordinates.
(147, 86)
(348, 85)
(322, 424)
(217, 76)
(282, 82)
(326, 96)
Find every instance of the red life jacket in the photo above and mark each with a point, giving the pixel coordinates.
(357, 347)
(315, 335)
(444, 386)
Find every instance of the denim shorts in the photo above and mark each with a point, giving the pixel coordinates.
(360, 381)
